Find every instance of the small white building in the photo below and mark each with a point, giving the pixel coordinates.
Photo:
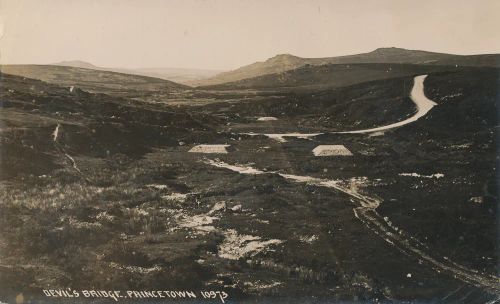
(331, 150)
(267, 118)
(212, 149)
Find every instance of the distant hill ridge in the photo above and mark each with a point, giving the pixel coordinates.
(77, 64)
(286, 62)
(179, 75)
(93, 80)
(330, 76)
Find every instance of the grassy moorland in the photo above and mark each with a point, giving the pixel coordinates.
(113, 200)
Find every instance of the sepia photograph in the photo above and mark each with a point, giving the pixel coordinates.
(237, 151)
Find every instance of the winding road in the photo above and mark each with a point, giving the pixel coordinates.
(417, 95)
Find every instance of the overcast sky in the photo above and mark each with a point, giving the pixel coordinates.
(224, 34)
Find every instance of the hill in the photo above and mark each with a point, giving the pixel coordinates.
(96, 81)
(78, 64)
(180, 75)
(332, 76)
(286, 62)
(94, 124)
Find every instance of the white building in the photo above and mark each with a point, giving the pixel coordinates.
(331, 150)
(267, 118)
(214, 149)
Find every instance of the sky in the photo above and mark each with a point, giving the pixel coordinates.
(226, 34)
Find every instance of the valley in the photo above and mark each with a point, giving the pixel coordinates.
(98, 188)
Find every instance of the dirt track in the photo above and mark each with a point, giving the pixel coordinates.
(367, 213)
